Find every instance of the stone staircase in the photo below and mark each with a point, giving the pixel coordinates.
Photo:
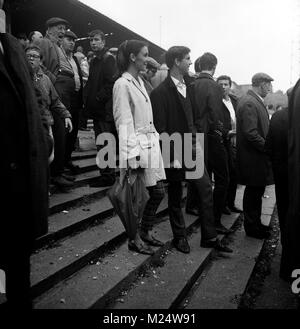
(83, 261)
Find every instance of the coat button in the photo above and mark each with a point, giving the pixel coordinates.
(13, 166)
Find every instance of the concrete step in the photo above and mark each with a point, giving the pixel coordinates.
(168, 285)
(64, 257)
(96, 284)
(231, 273)
(86, 164)
(75, 197)
(84, 155)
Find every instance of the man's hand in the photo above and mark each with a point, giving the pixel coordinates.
(68, 124)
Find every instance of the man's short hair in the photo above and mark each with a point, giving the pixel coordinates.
(176, 52)
(207, 61)
(225, 77)
(97, 32)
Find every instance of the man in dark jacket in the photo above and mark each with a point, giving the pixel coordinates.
(173, 113)
(253, 165)
(23, 172)
(229, 122)
(209, 119)
(290, 259)
(53, 66)
(98, 97)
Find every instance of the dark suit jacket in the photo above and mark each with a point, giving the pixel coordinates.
(98, 89)
(50, 58)
(24, 164)
(253, 165)
(208, 103)
(277, 142)
(171, 116)
(226, 118)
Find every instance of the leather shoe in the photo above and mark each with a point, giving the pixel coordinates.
(221, 229)
(151, 241)
(142, 249)
(258, 234)
(235, 209)
(226, 211)
(216, 244)
(192, 211)
(182, 245)
(60, 181)
(265, 227)
(68, 177)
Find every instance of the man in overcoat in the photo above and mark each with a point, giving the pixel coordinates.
(253, 165)
(173, 113)
(98, 97)
(290, 259)
(23, 171)
(229, 138)
(209, 117)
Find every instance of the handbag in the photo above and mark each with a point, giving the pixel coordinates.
(129, 197)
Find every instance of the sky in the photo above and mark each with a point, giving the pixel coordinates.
(247, 36)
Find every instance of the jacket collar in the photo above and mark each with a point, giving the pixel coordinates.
(252, 93)
(203, 75)
(138, 84)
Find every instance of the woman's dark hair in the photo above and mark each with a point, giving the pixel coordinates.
(125, 49)
(176, 52)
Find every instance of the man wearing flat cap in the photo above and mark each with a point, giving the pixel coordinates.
(253, 165)
(56, 28)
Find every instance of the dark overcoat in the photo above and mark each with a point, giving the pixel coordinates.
(291, 242)
(98, 89)
(170, 116)
(23, 144)
(253, 164)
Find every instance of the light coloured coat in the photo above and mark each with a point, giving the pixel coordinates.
(133, 117)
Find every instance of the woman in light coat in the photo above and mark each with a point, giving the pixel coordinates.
(138, 138)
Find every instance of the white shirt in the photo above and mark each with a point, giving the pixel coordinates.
(181, 87)
(230, 108)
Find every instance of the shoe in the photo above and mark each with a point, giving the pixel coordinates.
(60, 181)
(142, 249)
(103, 182)
(235, 209)
(226, 211)
(221, 229)
(182, 245)
(75, 170)
(152, 241)
(265, 227)
(258, 234)
(216, 244)
(68, 177)
(192, 211)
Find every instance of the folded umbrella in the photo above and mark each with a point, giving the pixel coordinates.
(129, 197)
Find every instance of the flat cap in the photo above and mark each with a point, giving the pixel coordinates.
(260, 77)
(70, 34)
(53, 21)
(153, 63)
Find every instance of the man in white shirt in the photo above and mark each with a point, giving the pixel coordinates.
(230, 103)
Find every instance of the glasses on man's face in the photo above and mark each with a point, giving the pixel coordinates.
(32, 56)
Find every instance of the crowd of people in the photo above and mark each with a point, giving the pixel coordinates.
(46, 87)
